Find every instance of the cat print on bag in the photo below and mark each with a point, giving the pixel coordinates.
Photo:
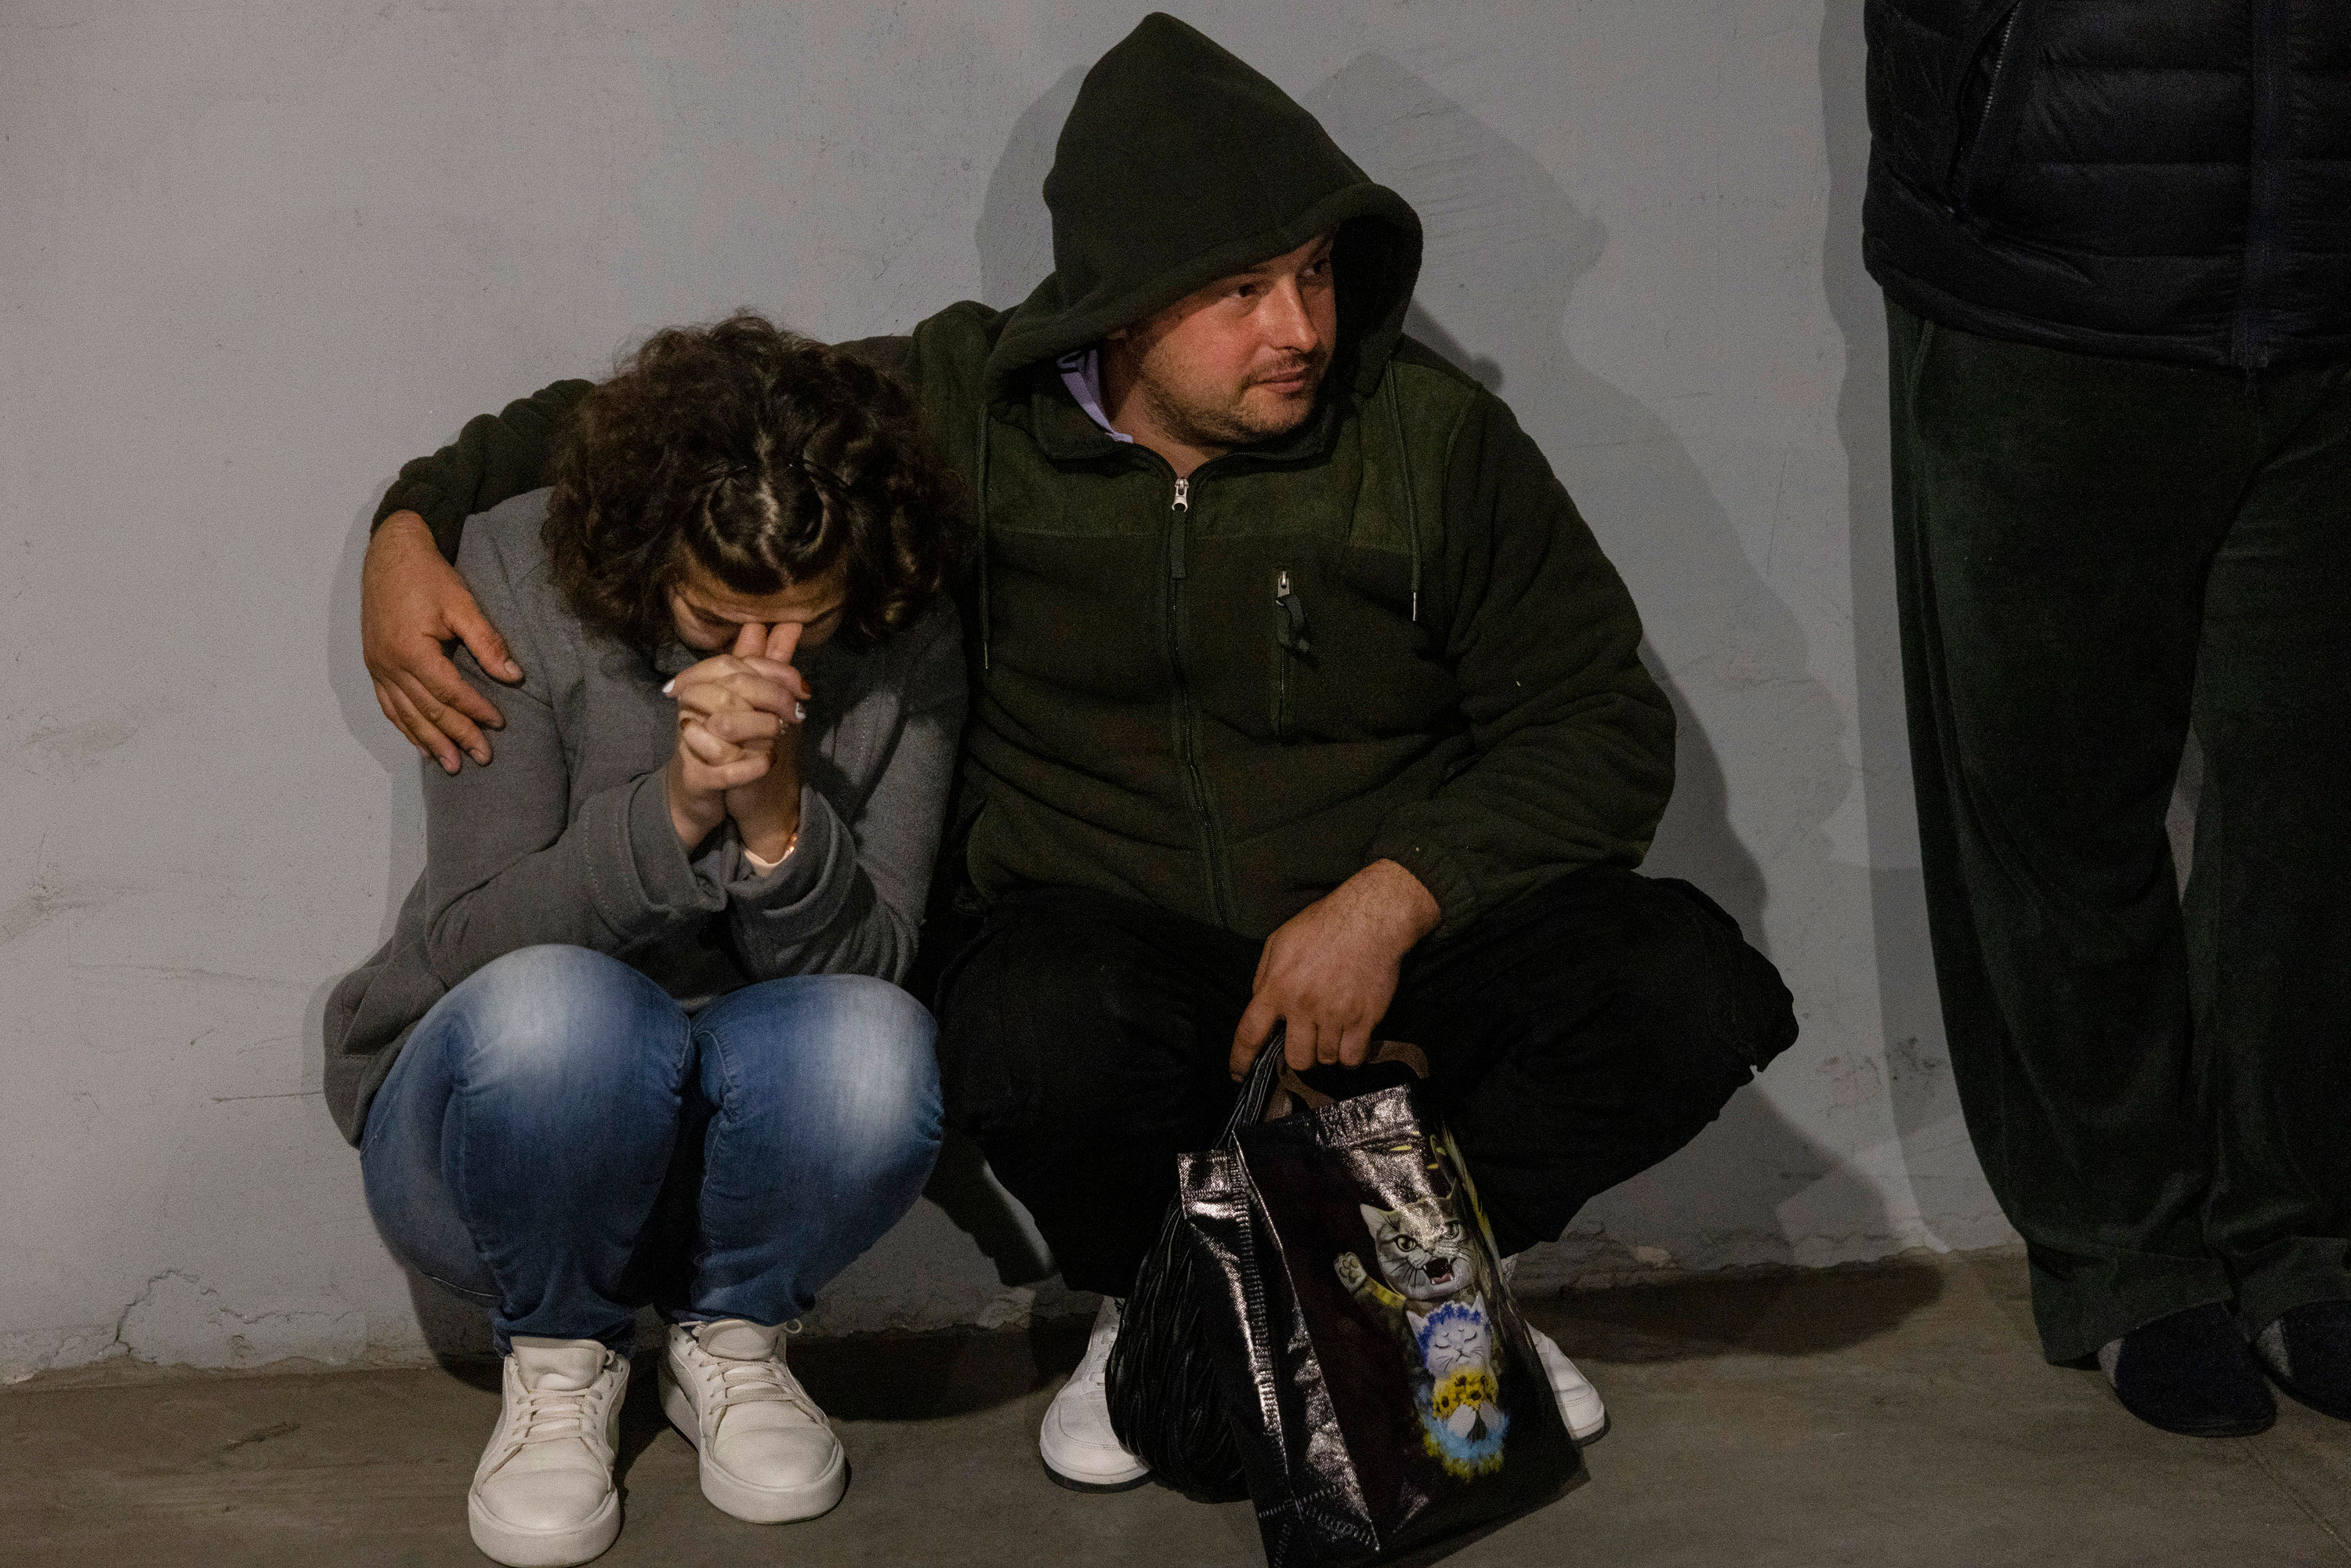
(1433, 1302)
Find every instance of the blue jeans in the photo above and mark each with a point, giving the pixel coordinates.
(559, 1142)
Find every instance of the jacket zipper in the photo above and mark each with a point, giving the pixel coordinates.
(1974, 161)
(2248, 334)
(1187, 757)
(1281, 646)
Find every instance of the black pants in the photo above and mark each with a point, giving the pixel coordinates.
(1575, 1038)
(2093, 555)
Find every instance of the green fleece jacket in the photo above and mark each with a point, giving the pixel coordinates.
(1384, 634)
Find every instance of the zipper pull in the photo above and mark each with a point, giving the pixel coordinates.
(1182, 507)
(1290, 630)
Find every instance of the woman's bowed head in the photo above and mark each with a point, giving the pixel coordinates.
(746, 493)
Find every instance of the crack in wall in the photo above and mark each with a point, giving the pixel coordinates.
(177, 1319)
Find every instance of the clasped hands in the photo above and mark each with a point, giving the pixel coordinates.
(737, 755)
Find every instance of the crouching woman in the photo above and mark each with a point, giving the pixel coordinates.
(635, 1039)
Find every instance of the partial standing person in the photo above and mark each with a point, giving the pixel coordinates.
(636, 1038)
(1303, 695)
(2116, 246)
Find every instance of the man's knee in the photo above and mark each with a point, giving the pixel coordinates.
(553, 1015)
(1656, 992)
(1709, 1007)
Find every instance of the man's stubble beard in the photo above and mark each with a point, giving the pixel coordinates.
(1200, 425)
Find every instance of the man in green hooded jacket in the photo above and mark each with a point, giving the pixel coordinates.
(1301, 695)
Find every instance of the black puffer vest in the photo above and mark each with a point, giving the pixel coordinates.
(2150, 179)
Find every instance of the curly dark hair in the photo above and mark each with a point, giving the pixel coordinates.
(763, 458)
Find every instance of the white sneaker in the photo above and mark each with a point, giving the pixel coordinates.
(1081, 1450)
(766, 1454)
(1579, 1402)
(543, 1495)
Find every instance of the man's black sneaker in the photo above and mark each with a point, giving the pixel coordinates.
(2192, 1373)
(2307, 1353)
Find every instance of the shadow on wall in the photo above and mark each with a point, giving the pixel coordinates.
(1505, 249)
(347, 677)
(457, 1333)
(1016, 234)
(1910, 1006)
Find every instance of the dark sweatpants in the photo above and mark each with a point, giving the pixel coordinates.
(1575, 1037)
(2092, 554)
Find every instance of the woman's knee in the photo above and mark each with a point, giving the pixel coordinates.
(419, 1222)
(843, 1056)
(402, 1174)
(559, 1014)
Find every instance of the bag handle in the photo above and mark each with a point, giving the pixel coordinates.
(1292, 1092)
(1256, 1088)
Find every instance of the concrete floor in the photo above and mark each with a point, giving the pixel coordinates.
(1898, 1415)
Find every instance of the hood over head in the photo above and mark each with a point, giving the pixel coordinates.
(1179, 165)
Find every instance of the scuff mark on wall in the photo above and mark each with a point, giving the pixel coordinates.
(1853, 1081)
(48, 901)
(1907, 1061)
(229, 977)
(79, 743)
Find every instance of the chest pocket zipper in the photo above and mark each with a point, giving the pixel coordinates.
(1289, 636)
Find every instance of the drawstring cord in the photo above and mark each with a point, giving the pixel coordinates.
(979, 523)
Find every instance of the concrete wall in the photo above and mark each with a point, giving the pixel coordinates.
(257, 252)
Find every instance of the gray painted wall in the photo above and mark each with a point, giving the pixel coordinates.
(257, 252)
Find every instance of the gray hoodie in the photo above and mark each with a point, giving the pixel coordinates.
(566, 837)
